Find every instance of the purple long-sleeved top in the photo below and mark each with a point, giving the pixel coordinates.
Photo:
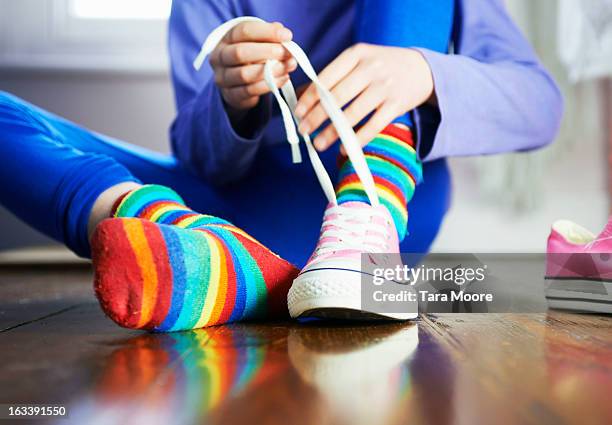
(493, 95)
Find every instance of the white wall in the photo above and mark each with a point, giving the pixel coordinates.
(574, 188)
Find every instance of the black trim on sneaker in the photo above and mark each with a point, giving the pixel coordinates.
(582, 300)
(590, 279)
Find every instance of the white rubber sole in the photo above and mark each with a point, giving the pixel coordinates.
(580, 295)
(333, 293)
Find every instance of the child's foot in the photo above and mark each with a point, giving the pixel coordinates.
(330, 284)
(162, 277)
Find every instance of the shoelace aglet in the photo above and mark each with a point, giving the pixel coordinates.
(199, 60)
(296, 155)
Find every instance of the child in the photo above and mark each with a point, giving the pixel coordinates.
(162, 266)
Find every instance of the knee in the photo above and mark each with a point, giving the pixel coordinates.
(16, 114)
(7, 100)
(11, 105)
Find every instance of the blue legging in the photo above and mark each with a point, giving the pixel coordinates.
(53, 170)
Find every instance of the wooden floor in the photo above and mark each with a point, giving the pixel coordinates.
(56, 347)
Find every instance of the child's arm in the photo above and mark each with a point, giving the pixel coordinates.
(221, 111)
(493, 95)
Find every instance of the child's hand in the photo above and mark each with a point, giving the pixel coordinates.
(388, 81)
(238, 62)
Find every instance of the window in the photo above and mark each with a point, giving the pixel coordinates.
(120, 9)
(96, 35)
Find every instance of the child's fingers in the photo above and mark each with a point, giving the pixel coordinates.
(364, 104)
(377, 122)
(345, 90)
(239, 93)
(251, 52)
(329, 77)
(247, 74)
(259, 31)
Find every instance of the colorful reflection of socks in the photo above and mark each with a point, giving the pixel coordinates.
(233, 360)
(192, 272)
(396, 169)
(136, 367)
(186, 376)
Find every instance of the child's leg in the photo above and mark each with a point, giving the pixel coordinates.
(148, 275)
(144, 164)
(45, 181)
(391, 155)
(395, 168)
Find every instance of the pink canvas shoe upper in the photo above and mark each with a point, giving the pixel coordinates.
(574, 252)
(352, 228)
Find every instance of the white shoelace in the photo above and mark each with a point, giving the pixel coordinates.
(355, 229)
(287, 107)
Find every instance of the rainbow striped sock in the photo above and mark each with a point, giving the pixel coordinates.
(160, 266)
(396, 169)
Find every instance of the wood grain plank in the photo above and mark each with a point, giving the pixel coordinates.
(14, 316)
(29, 293)
(553, 368)
(531, 368)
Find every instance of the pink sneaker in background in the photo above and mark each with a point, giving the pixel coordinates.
(579, 268)
(329, 286)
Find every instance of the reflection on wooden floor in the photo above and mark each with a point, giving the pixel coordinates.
(57, 347)
(274, 373)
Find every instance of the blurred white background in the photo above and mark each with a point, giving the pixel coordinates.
(103, 64)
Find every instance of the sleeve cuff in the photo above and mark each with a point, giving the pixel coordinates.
(429, 120)
(255, 121)
(225, 155)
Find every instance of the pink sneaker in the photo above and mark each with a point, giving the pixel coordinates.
(579, 268)
(330, 284)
